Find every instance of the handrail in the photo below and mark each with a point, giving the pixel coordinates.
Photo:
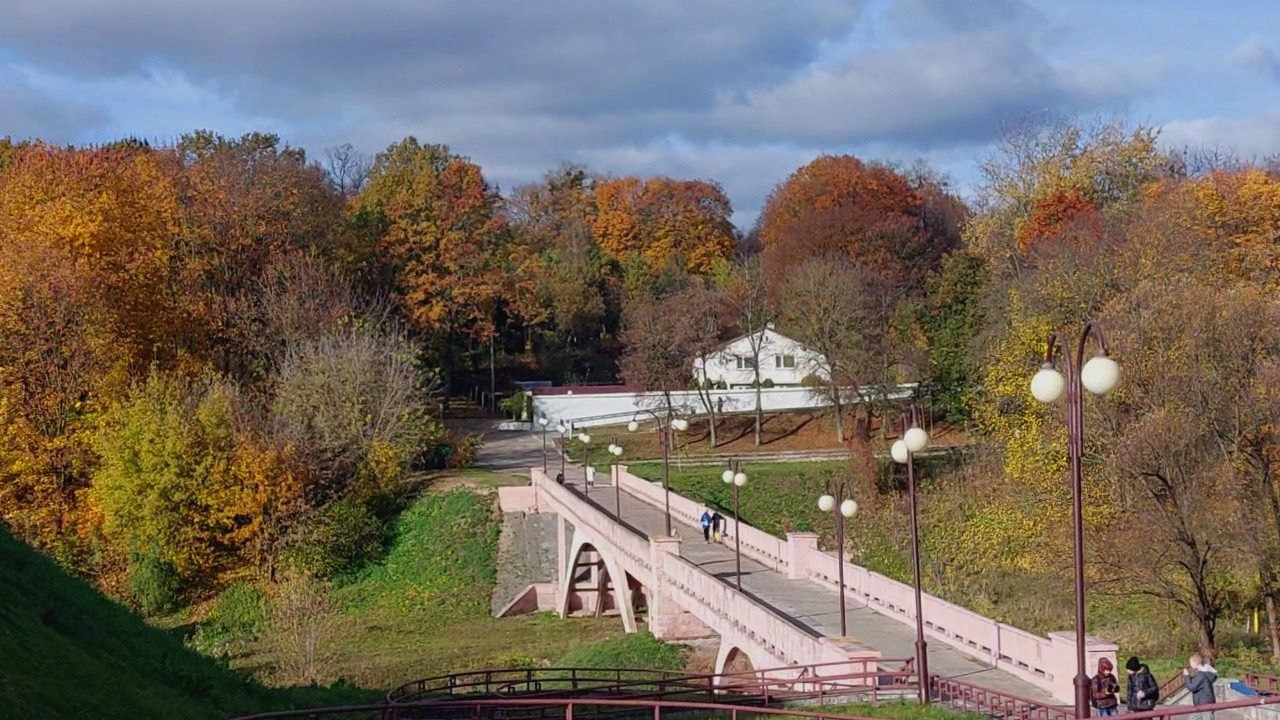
(390, 711)
(996, 703)
(551, 488)
(1262, 683)
(493, 680)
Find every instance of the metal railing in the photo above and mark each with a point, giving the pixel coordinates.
(1262, 683)
(968, 697)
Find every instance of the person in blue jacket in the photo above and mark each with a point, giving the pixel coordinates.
(706, 525)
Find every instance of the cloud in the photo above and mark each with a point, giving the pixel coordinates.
(1255, 55)
(28, 112)
(1250, 137)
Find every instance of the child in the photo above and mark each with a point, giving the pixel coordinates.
(1103, 688)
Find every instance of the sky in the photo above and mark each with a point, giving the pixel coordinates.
(738, 91)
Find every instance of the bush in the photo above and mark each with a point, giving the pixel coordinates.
(154, 583)
(238, 612)
(517, 405)
(463, 451)
(335, 540)
(638, 650)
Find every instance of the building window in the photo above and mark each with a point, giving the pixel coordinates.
(746, 363)
(784, 361)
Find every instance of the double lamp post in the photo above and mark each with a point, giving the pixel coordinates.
(666, 437)
(1099, 375)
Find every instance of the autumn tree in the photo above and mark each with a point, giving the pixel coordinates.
(244, 202)
(834, 307)
(751, 312)
(1175, 431)
(657, 356)
(952, 319)
(442, 239)
(838, 205)
(683, 224)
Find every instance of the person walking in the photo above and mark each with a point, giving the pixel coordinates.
(1200, 675)
(717, 526)
(1103, 688)
(1142, 691)
(706, 526)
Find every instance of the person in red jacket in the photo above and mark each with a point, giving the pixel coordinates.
(1103, 688)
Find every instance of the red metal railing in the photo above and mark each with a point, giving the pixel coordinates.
(975, 698)
(568, 709)
(872, 676)
(1269, 684)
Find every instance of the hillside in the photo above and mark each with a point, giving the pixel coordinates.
(68, 651)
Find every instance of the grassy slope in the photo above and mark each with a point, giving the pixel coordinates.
(425, 609)
(67, 651)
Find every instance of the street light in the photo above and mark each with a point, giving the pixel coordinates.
(735, 477)
(615, 452)
(664, 436)
(564, 440)
(542, 420)
(1098, 376)
(914, 439)
(585, 439)
(842, 509)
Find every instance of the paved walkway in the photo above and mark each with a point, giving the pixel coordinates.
(807, 603)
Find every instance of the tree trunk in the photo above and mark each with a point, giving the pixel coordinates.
(759, 408)
(1269, 599)
(861, 461)
(835, 399)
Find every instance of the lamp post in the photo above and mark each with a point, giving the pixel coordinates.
(564, 444)
(842, 509)
(735, 477)
(542, 420)
(615, 452)
(585, 439)
(1099, 375)
(664, 436)
(914, 439)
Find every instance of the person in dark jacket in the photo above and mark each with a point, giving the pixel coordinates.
(1103, 688)
(717, 526)
(1143, 691)
(1200, 676)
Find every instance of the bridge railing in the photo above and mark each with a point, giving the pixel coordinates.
(967, 697)
(718, 605)
(1261, 682)
(1036, 659)
(571, 708)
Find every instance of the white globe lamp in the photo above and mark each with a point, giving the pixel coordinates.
(740, 479)
(916, 439)
(1047, 384)
(899, 452)
(633, 426)
(1100, 375)
(727, 476)
(848, 508)
(680, 424)
(826, 503)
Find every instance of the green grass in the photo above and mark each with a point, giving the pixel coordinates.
(638, 650)
(779, 496)
(424, 609)
(68, 651)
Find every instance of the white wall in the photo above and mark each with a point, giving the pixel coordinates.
(589, 410)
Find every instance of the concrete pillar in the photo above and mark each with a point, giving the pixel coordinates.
(1062, 646)
(667, 620)
(798, 546)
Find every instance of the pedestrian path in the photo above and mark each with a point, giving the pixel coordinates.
(806, 603)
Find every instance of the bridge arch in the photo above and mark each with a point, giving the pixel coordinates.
(618, 579)
(731, 654)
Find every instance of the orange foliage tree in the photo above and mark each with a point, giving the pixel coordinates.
(442, 239)
(668, 223)
(1055, 214)
(839, 205)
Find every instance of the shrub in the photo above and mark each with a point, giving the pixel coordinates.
(463, 451)
(237, 612)
(302, 629)
(517, 406)
(154, 583)
(335, 540)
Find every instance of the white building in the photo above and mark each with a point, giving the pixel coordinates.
(783, 362)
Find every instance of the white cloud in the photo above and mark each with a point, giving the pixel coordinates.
(1254, 54)
(1249, 137)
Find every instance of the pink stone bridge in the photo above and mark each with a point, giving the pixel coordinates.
(787, 611)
